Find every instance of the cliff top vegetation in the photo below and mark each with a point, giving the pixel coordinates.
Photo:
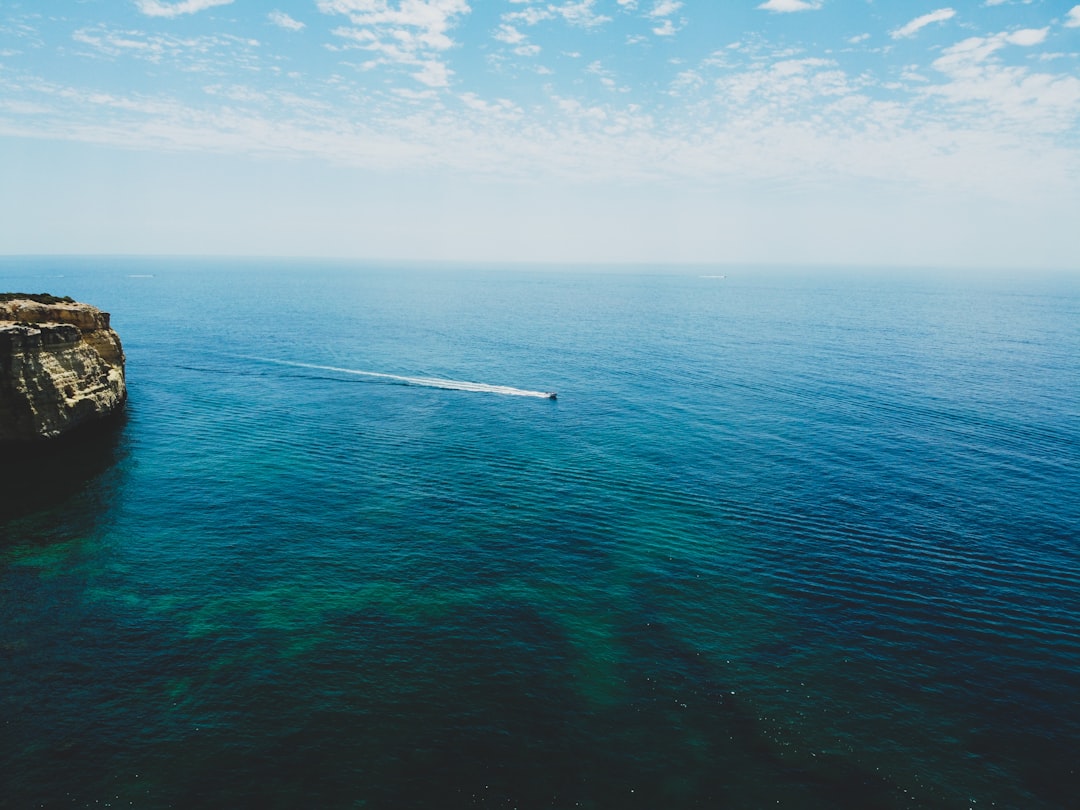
(40, 298)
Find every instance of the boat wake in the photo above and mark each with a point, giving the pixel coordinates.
(426, 382)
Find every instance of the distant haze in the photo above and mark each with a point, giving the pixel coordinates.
(784, 131)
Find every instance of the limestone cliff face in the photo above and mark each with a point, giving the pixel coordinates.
(61, 366)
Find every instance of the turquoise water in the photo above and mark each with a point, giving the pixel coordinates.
(799, 540)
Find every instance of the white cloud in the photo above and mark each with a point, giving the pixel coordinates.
(983, 92)
(510, 35)
(918, 23)
(784, 87)
(580, 13)
(113, 43)
(688, 80)
(530, 16)
(410, 33)
(665, 29)
(1072, 19)
(665, 8)
(1027, 36)
(236, 93)
(156, 8)
(743, 113)
(661, 12)
(201, 54)
(499, 108)
(790, 5)
(607, 78)
(973, 52)
(795, 123)
(283, 20)
(433, 73)
(416, 24)
(855, 40)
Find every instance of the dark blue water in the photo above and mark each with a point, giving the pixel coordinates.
(799, 540)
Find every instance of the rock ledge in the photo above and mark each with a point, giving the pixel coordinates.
(61, 367)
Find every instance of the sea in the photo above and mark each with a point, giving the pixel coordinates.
(787, 537)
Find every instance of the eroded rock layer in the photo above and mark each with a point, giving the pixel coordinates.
(61, 366)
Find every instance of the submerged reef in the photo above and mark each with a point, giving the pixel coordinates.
(61, 367)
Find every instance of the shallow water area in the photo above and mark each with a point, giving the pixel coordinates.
(805, 539)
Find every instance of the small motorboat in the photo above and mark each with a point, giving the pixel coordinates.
(552, 395)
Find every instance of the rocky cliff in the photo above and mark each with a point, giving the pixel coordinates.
(61, 366)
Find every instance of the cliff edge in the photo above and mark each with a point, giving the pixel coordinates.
(61, 366)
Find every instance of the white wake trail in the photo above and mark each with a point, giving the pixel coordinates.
(426, 382)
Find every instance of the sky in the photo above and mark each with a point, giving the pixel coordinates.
(846, 132)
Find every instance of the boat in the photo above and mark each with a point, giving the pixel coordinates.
(552, 395)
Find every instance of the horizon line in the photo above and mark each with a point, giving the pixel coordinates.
(555, 263)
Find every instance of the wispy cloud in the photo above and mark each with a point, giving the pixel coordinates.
(283, 20)
(800, 122)
(156, 8)
(666, 28)
(984, 92)
(790, 5)
(413, 33)
(519, 42)
(665, 8)
(417, 24)
(916, 25)
(208, 53)
(433, 73)
(1072, 19)
(530, 15)
(499, 108)
(661, 13)
(581, 13)
(510, 35)
(803, 114)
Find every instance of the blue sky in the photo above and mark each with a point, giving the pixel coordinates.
(775, 131)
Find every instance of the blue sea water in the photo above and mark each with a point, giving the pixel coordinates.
(800, 539)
